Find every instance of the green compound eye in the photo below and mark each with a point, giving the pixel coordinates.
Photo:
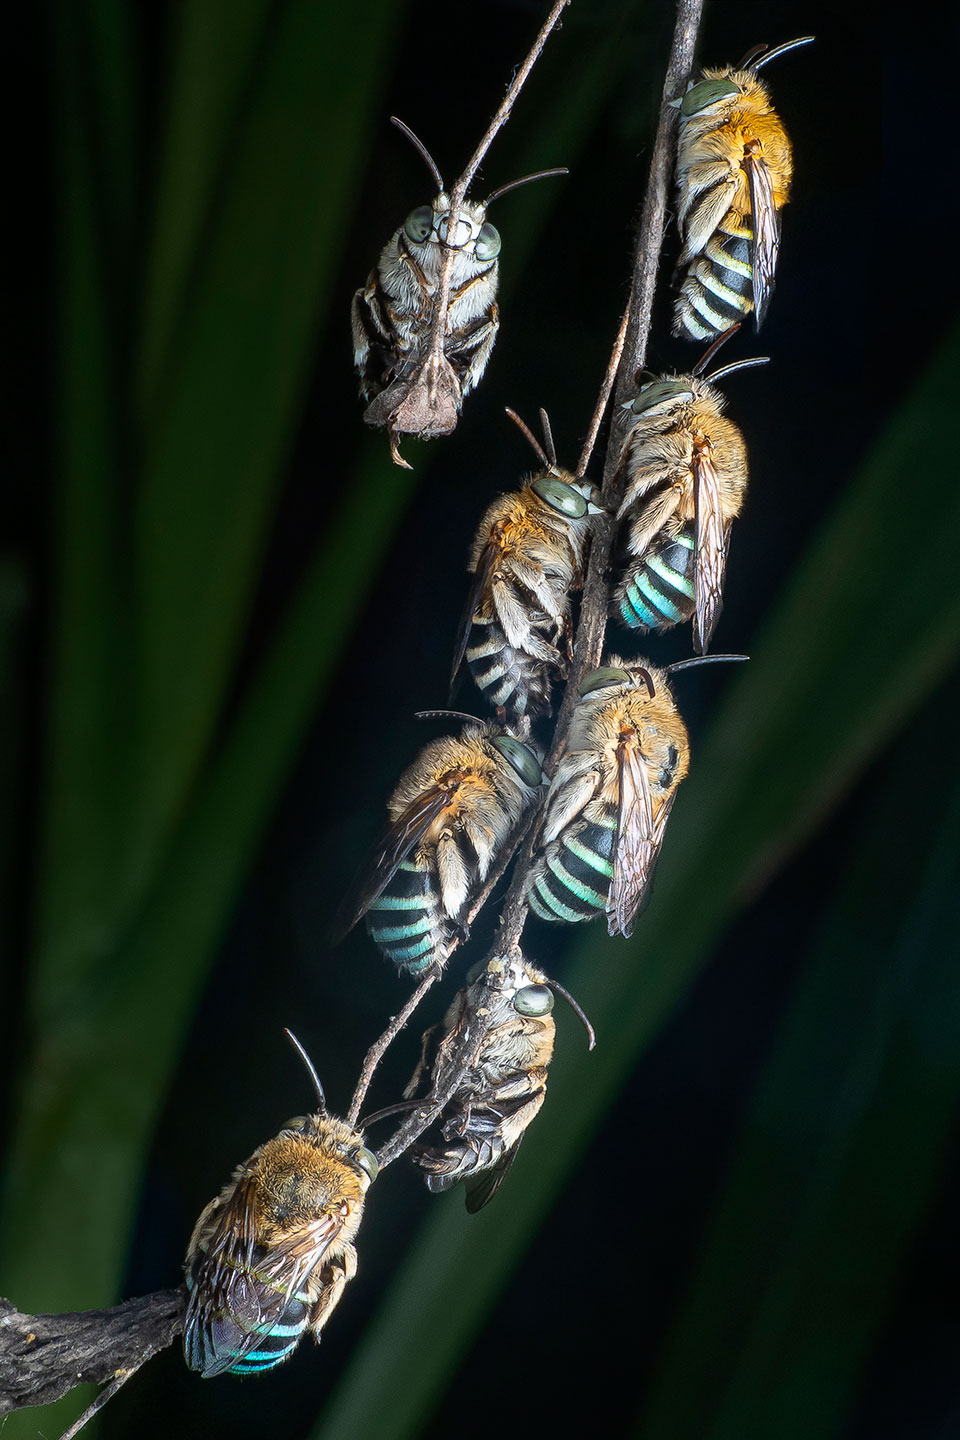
(708, 92)
(418, 224)
(367, 1162)
(560, 496)
(522, 760)
(533, 1000)
(662, 395)
(599, 679)
(488, 242)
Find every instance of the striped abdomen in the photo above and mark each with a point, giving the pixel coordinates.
(718, 288)
(218, 1341)
(406, 921)
(572, 881)
(514, 682)
(657, 590)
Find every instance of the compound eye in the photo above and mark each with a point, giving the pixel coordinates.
(299, 1122)
(560, 496)
(418, 224)
(662, 395)
(600, 679)
(367, 1162)
(522, 760)
(708, 92)
(533, 1000)
(488, 242)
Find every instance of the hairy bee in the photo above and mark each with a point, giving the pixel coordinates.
(526, 559)
(608, 804)
(734, 168)
(495, 1042)
(450, 815)
(686, 477)
(270, 1256)
(406, 386)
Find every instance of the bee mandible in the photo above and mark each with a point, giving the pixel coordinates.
(450, 816)
(269, 1258)
(526, 559)
(734, 168)
(497, 1041)
(686, 477)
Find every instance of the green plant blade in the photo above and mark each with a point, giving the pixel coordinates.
(771, 768)
(839, 1154)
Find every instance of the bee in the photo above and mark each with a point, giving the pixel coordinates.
(270, 1256)
(450, 817)
(495, 1044)
(411, 381)
(526, 559)
(734, 167)
(608, 804)
(686, 477)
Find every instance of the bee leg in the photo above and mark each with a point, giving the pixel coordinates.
(334, 1277)
(395, 455)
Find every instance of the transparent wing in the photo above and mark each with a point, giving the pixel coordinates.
(710, 547)
(765, 245)
(395, 845)
(478, 588)
(634, 853)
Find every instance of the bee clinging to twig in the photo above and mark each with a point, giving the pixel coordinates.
(426, 320)
(496, 1042)
(450, 816)
(685, 481)
(526, 560)
(734, 167)
(270, 1256)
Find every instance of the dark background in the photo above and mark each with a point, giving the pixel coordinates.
(864, 298)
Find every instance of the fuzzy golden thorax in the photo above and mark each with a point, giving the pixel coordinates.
(723, 132)
(604, 719)
(484, 789)
(529, 531)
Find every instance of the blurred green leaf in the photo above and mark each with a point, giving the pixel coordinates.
(835, 674)
(840, 1153)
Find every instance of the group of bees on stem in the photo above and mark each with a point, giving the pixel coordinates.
(270, 1256)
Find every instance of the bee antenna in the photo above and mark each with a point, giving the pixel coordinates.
(397, 1109)
(737, 365)
(577, 1010)
(701, 660)
(538, 448)
(453, 714)
(548, 436)
(644, 674)
(748, 62)
(720, 341)
(419, 145)
(311, 1070)
(524, 180)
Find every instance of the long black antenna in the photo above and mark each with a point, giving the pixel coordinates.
(701, 660)
(748, 63)
(418, 143)
(581, 1016)
(538, 448)
(311, 1071)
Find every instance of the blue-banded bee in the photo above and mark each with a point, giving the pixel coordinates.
(450, 816)
(686, 477)
(393, 316)
(497, 1040)
(526, 560)
(270, 1256)
(734, 167)
(609, 802)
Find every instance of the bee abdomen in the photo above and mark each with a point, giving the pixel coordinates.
(220, 1343)
(657, 590)
(573, 879)
(405, 921)
(509, 679)
(718, 288)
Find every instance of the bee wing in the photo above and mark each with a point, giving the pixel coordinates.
(711, 550)
(480, 582)
(634, 853)
(480, 1192)
(395, 845)
(765, 245)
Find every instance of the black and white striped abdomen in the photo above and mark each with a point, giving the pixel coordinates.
(406, 921)
(657, 589)
(511, 680)
(718, 288)
(572, 880)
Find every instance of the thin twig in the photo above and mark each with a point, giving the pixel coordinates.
(438, 331)
(604, 397)
(105, 1396)
(379, 1047)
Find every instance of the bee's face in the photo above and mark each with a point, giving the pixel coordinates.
(429, 225)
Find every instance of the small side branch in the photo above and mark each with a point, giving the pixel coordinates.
(42, 1357)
